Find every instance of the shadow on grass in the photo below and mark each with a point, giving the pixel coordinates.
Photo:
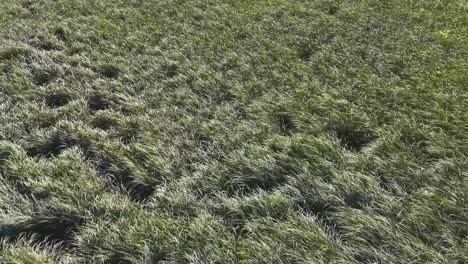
(353, 139)
(51, 147)
(123, 180)
(57, 231)
(56, 100)
(98, 102)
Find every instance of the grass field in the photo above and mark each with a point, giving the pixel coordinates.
(235, 131)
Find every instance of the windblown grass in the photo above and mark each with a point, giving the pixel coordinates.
(233, 131)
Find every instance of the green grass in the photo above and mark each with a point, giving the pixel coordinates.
(234, 131)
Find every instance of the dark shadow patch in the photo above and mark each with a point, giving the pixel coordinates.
(60, 34)
(29, 5)
(25, 190)
(47, 46)
(317, 207)
(171, 70)
(138, 192)
(6, 152)
(286, 123)
(204, 142)
(332, 10)
(98, 102)
(324, 212)
(310, 202)
(398, 68)
(26, 3)
(58, 230)
(42, 77)
(123, 180)
(242, 35)
(109, 71)
(305, 54)
(9, 232)
(103, 122)
(56, 100)
(305, 51)
(51, 147)
(352, 138)
(355, 200)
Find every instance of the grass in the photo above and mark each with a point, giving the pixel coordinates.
(233, 131)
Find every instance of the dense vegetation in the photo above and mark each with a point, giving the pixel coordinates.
(235, 131)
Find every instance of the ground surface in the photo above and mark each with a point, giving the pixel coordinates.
(233, 131)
